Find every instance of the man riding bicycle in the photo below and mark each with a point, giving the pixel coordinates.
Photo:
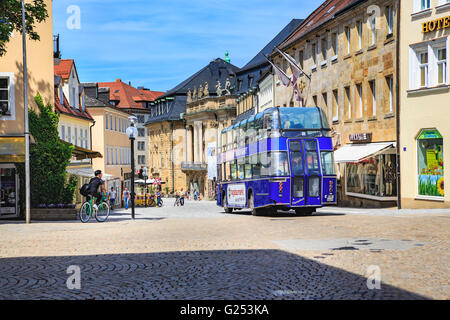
(95, 184)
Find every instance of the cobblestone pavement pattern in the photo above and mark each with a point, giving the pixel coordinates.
(198, 252)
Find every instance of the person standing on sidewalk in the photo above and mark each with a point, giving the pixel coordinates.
(126, 198)
(112, 198)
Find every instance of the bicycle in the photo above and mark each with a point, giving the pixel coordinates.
(88, 209)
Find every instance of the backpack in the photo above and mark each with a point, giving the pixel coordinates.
(84, 190)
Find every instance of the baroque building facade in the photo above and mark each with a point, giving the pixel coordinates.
(348, 49)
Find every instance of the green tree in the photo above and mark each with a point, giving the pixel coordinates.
(49, 158)
(11, 19)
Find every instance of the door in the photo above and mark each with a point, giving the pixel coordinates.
(298, 174)
(8, 191)
(314, 178)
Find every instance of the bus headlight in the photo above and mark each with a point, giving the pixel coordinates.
(314, 186)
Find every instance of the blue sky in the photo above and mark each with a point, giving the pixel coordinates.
(158, 44)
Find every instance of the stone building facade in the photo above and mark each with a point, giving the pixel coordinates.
(349, 50)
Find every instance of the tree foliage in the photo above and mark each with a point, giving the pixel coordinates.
(11, 19)
(49, 158)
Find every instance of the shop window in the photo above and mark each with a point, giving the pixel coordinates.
(8, 190)
(374, 177)
(430, 157)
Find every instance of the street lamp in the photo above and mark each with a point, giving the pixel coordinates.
(132, 133)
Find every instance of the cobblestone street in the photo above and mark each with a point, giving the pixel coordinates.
(199, 252)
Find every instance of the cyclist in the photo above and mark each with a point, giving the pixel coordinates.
(95, 184)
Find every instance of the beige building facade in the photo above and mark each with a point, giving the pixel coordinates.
(40, 80)
(349, 52)
(425, 103)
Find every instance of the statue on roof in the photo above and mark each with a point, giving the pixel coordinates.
(218, 88)
(227, 86)
(194, 95)
(206, 90)
(189, 96)
(200, 92)
(227, 57)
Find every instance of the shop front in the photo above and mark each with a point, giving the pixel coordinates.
(368, 174)
(430, 161)
(12, 152)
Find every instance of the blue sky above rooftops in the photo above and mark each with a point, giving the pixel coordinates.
(158, 44)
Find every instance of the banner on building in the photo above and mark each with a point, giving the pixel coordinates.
(212, 161)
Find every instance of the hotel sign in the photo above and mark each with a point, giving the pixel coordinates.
(437, 24)
(361, 137)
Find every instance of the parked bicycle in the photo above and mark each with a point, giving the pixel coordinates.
(101, 212)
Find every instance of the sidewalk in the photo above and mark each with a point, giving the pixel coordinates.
(383, 211)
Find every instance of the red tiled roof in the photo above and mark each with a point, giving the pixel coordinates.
(66, 109)
(325, 12)
(63, 68)
(128, 96)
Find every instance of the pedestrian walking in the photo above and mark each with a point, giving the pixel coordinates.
(126, 198)
(182, 197)
(177, 199)
(112, 198)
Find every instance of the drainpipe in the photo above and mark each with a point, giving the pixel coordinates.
(399, 198)
(171, 151)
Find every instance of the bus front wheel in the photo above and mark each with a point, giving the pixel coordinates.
(225, 205)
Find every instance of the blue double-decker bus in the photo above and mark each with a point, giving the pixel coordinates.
(281, 158)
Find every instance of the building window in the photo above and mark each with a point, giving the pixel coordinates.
(373, 29)
(141, 118)
(7, 107)
(300, 58)
(390, 19)
(335, 105)
(74, 98)
(360, 100)
(63, 133)
(115, 123)
(373, 177)
(348, 102)
(425, 4)
(348, 39)
(423, 69)
(428, 65)
(141, 132)
(107, 155)
(373, 92)
(430, 157)
(106, 120)
(69, 134)
(325, 102)
(314, 54)
(86, 139)
(141, 160)
(360, 35)
(441, 60)
(390, 88)
(76, 137)
(111, 122)
(141, 146)
(334, 44)
(324, 47)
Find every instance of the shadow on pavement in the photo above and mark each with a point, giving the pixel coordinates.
(230, 274)
(284, 214)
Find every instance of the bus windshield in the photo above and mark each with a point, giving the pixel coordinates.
(303, 119)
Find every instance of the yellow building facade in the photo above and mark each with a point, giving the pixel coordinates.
(425, 103)
(40, 80)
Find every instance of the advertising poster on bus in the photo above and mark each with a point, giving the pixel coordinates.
(236, 195)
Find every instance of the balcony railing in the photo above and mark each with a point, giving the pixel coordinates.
(194, 166)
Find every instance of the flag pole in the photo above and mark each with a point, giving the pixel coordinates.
(26, 129)
(282, 53)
